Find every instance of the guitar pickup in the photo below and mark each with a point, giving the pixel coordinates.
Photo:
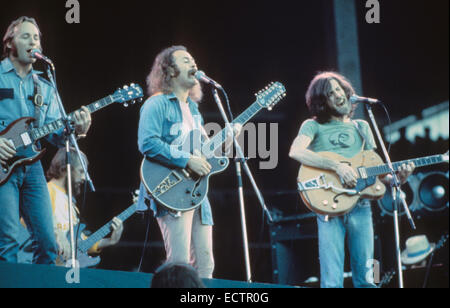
(26, 139)
(363, 173)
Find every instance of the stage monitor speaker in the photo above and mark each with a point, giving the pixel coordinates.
(433, 191)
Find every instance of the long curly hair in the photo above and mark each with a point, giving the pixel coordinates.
(11, 32)
(316, 96)
(159, 79)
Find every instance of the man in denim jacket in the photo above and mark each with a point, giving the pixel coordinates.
(26, 193)
(169, 114)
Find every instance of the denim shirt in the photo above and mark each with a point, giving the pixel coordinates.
(160, 126)
(15, 102)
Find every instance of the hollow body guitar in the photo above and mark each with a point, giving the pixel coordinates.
(181, 189)
(322, 191)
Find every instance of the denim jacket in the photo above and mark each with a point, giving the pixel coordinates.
(159, 127)
(15, 102)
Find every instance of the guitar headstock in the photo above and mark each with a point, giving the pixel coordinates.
(128, 94)
(271, 95)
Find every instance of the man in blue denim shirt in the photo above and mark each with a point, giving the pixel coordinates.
(332, 130)
(170, 113)
(26, 194)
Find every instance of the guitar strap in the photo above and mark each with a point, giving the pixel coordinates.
(37, 99)
(360, 131)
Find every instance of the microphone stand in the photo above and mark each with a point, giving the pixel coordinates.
(240, 162)
(69, 139)
(395, 186)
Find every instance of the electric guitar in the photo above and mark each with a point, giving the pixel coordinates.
(323, 192)
(183, 190)
(83, 246)
(24, 137)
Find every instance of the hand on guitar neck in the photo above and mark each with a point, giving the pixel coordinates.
(350, 178)
(403, 172)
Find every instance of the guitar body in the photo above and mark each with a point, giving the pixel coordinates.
(180, 189)
(84, 260)
(27, 154)
(323, 192)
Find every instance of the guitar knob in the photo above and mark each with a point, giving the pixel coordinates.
(198, 194)
(188, 191)
(334, 206)
(325, 202)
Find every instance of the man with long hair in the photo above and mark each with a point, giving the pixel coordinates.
(26, 191)
(170, 112)
(332, 130)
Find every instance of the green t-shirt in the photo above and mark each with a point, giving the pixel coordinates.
(338, 137)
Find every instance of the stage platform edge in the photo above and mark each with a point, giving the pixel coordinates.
(44, 276)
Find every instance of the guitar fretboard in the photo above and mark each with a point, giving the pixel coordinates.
(215, 142)
(84, 246)
(418, 162)
(45, 130)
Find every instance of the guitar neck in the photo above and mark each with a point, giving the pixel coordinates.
(45, 130)
(418, 162)
(84, 246)
(217, 141)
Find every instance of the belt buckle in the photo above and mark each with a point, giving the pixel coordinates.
(39, 100)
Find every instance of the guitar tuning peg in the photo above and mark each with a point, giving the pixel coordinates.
(126, 105)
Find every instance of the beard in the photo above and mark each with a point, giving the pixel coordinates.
(76, 186)
(340, 112)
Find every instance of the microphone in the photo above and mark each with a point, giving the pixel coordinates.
(200, 76)
(355, 99)
(37, 54)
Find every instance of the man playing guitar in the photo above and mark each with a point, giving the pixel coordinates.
(57, 177)
(26, 191)
(170, 112)
(332, 130)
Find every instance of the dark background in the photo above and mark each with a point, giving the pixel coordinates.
(244, 45)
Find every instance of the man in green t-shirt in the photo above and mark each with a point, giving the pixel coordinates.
(332, 130)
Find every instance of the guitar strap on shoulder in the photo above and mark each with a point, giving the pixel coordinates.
(360, 131)
(37, 99)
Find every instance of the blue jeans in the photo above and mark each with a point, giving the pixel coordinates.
(357, 228)
(26, 195)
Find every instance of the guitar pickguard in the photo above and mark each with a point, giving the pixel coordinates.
(167, 184)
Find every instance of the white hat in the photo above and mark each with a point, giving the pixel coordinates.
(417, 249)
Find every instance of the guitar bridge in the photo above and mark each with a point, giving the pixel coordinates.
(321, 183)
(167, 184)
